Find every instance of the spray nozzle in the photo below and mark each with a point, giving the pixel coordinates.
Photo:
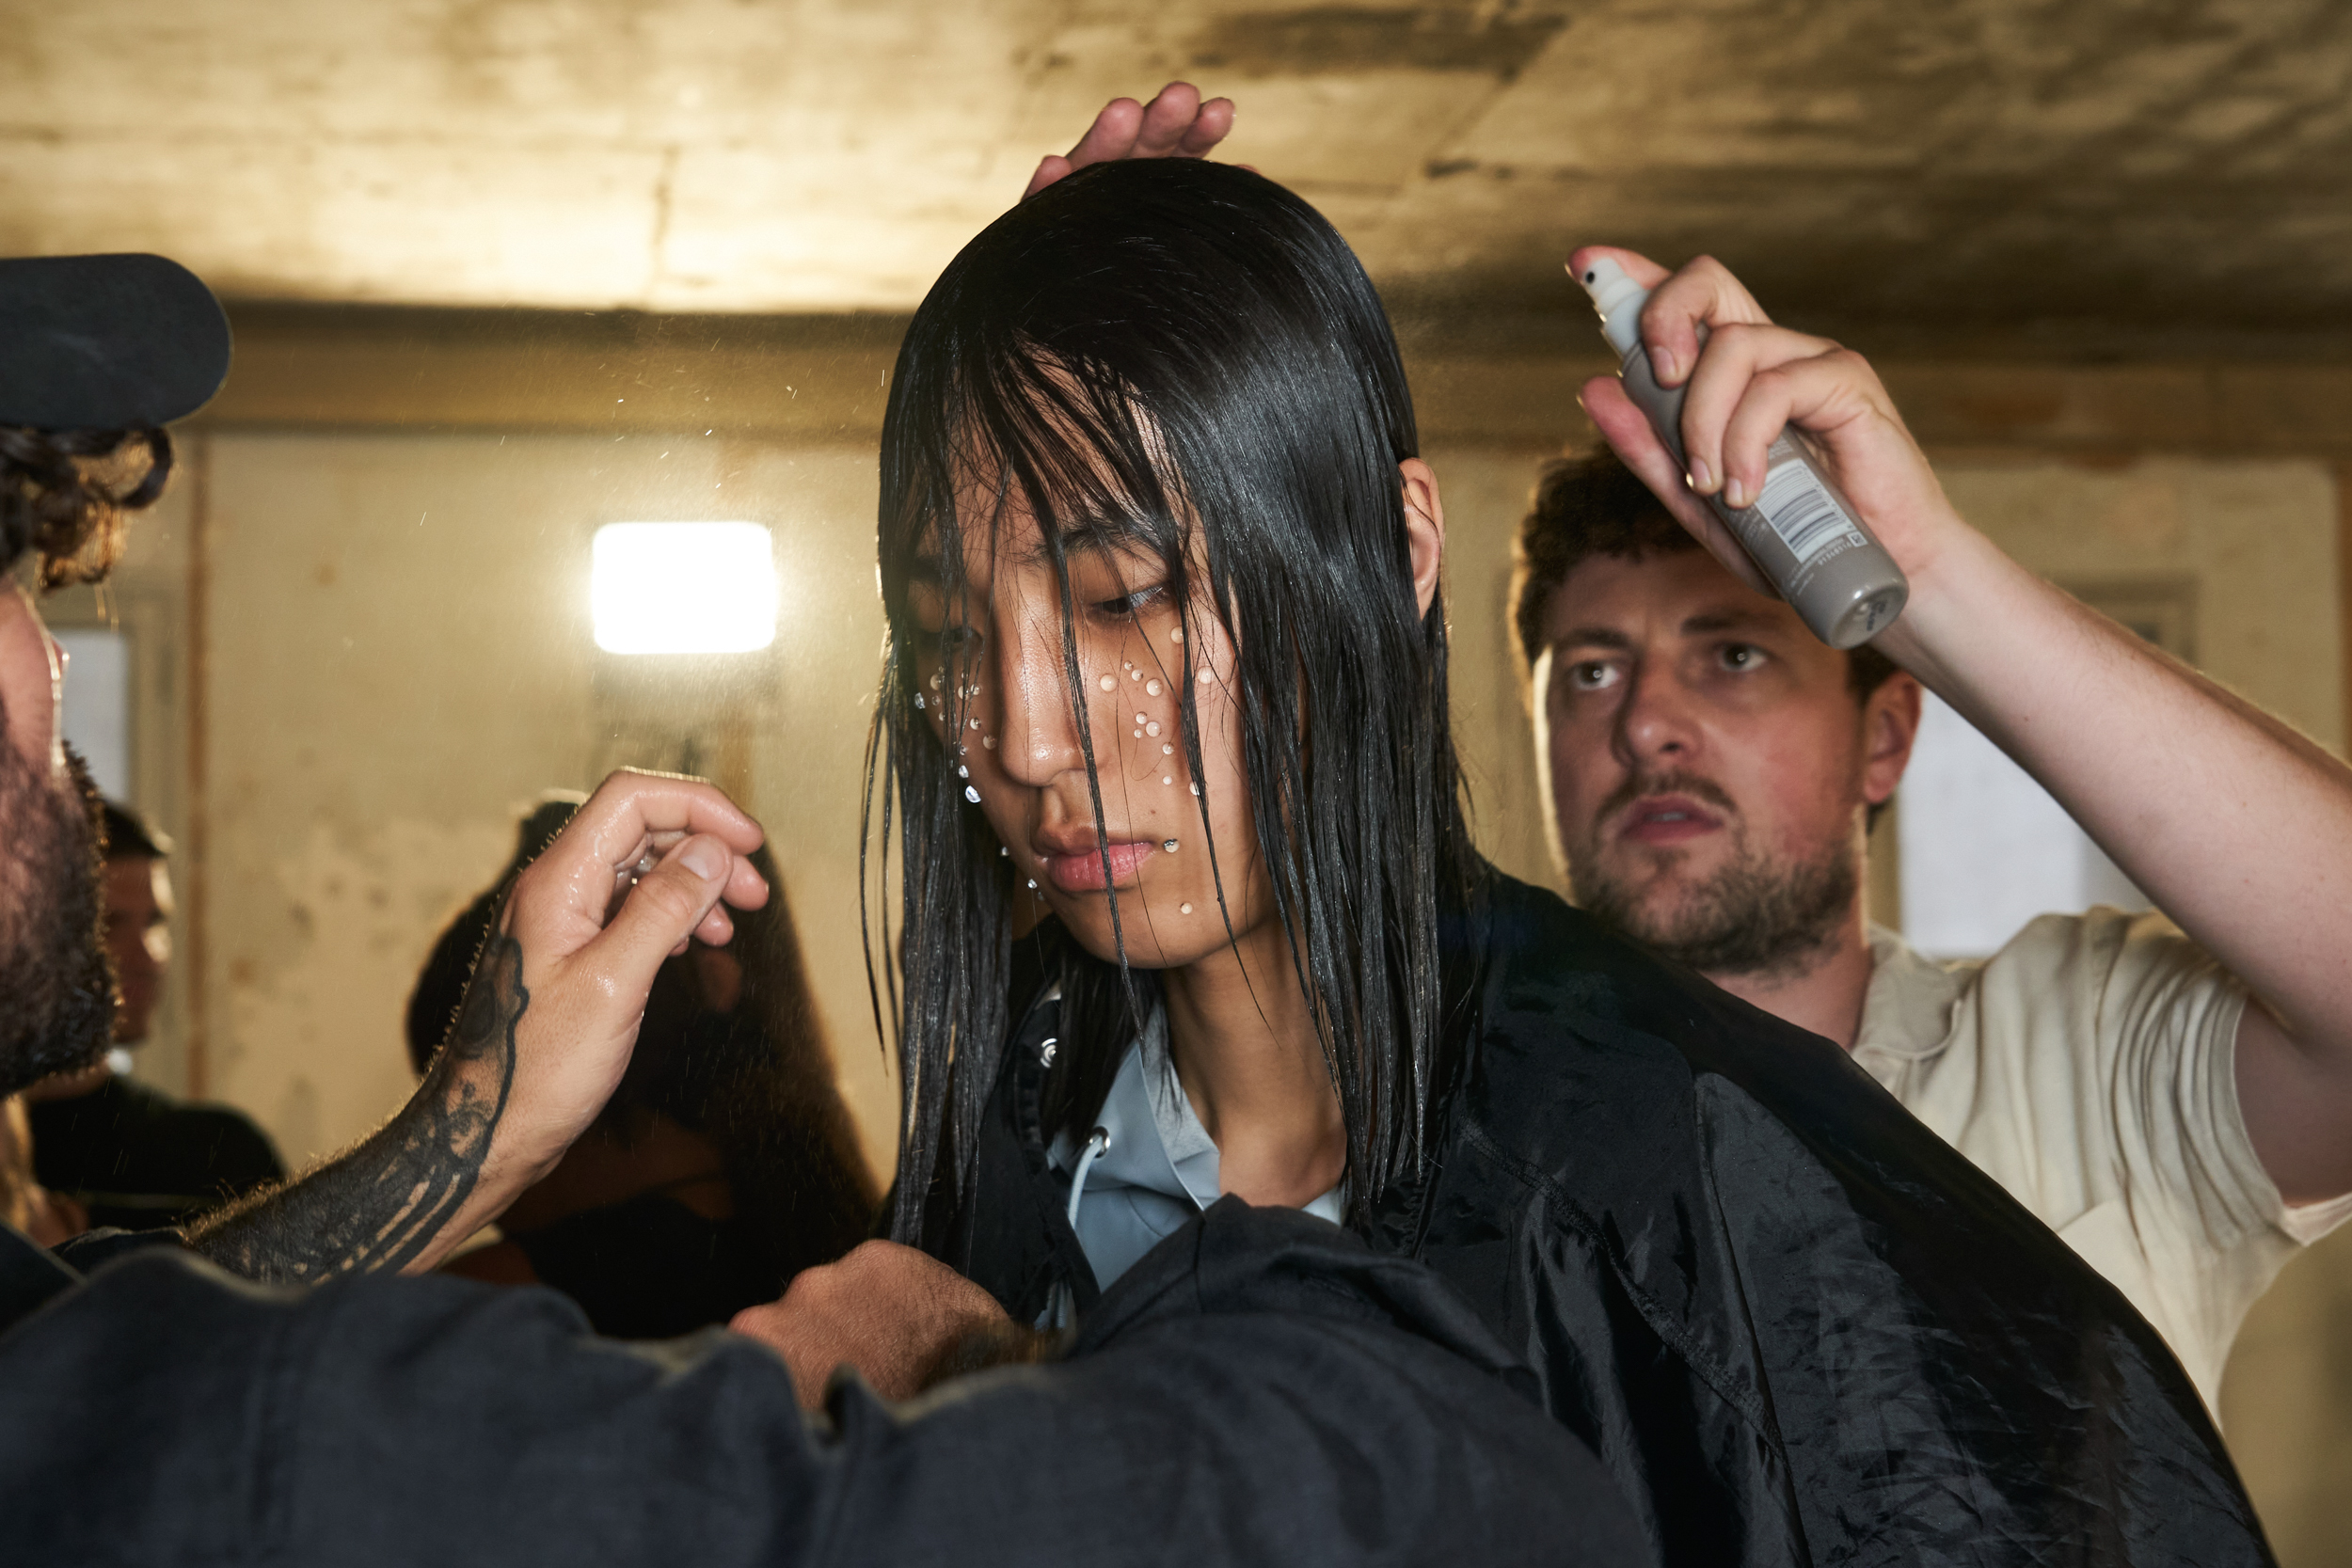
(1618, 299)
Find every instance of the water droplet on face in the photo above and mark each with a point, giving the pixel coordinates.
(918, 698)
(1150, 688)
(1110, 683)
(1167, 748)
(1183, 909)
(1176, 634)
(1134, 673)
(972, 794)
(1141, 719)
(1137, 733)
(1167, 779)
(976, 723)
(1204, 678)
(1170, 845)
(1004, 850)
(961, 772)
(1033, 884)
(1196, 789)
(989, 741)
(1151, 729)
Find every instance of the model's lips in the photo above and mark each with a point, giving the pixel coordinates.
(1081, 871)
(1666, 819)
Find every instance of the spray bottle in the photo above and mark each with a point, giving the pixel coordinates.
(1802, 533)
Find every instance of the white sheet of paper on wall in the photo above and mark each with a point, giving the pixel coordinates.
(97, 717)
(1985, 848)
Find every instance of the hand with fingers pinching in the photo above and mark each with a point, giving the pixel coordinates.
(541, 1040)
(1742, 382)
(1175, 124)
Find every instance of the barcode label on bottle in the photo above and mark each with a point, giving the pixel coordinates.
(1801, 511)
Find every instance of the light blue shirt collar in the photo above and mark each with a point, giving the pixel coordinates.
(1161, 1168)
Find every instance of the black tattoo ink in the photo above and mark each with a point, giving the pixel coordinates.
(381, 1205)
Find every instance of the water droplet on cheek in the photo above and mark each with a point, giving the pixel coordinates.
(1183, 909)
(1110, 683)
(1153, 729)
(972, 794)
(989, 741)
(1205, 676)
(1167, 748)
(1150, 688)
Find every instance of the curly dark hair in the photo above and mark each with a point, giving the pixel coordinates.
(1594, 505)
(64, 493)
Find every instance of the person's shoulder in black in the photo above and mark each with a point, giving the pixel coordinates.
(1261, 1389)
(135, 1156)
(1785, 1292)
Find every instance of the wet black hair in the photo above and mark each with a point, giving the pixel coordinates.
(1139, 354)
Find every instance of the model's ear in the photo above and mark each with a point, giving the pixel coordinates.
(1890, 722)
(1424, 526)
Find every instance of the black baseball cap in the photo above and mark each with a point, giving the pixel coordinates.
(107, 342)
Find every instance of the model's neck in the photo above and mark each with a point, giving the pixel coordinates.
(1244, 1042)
(1826, 994)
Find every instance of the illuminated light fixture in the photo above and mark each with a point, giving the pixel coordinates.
(683, 587)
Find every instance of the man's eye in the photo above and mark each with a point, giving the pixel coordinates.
(1592, 674)
(1740, 656)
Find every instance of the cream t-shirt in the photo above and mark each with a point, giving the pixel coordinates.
(2090, 1067)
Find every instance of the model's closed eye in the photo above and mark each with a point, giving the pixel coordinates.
(1133, 602)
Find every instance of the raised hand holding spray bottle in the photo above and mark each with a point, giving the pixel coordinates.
(1803, 533)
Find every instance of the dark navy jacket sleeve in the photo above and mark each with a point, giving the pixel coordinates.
(1266, 1393)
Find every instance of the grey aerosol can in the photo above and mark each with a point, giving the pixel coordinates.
(1802, 531)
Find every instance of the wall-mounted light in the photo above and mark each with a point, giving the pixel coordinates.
(683, 587)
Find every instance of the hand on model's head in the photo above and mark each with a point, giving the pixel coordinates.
(650, 863)
(1747, 380)
(1175, 124)
(890, 1311)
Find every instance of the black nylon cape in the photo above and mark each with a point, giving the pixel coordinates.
(1797, 1326)
(1261, 1389)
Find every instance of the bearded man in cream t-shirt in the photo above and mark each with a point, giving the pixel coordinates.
(2174, 1101)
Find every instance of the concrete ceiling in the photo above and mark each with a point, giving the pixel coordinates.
(2090, 176)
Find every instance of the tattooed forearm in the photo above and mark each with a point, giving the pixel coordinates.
(381, 1205)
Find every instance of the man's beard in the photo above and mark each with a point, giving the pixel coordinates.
(56, 979)
(1753, 917)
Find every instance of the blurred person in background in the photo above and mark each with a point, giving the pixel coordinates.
(725, 1163)
(128, 1153)
(2174, 1101)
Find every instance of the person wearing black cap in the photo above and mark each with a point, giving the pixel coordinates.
(126, 1152)
(1263, 1389)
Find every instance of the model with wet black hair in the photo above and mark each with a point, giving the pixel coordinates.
(1068, 409)
(1167, 656)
